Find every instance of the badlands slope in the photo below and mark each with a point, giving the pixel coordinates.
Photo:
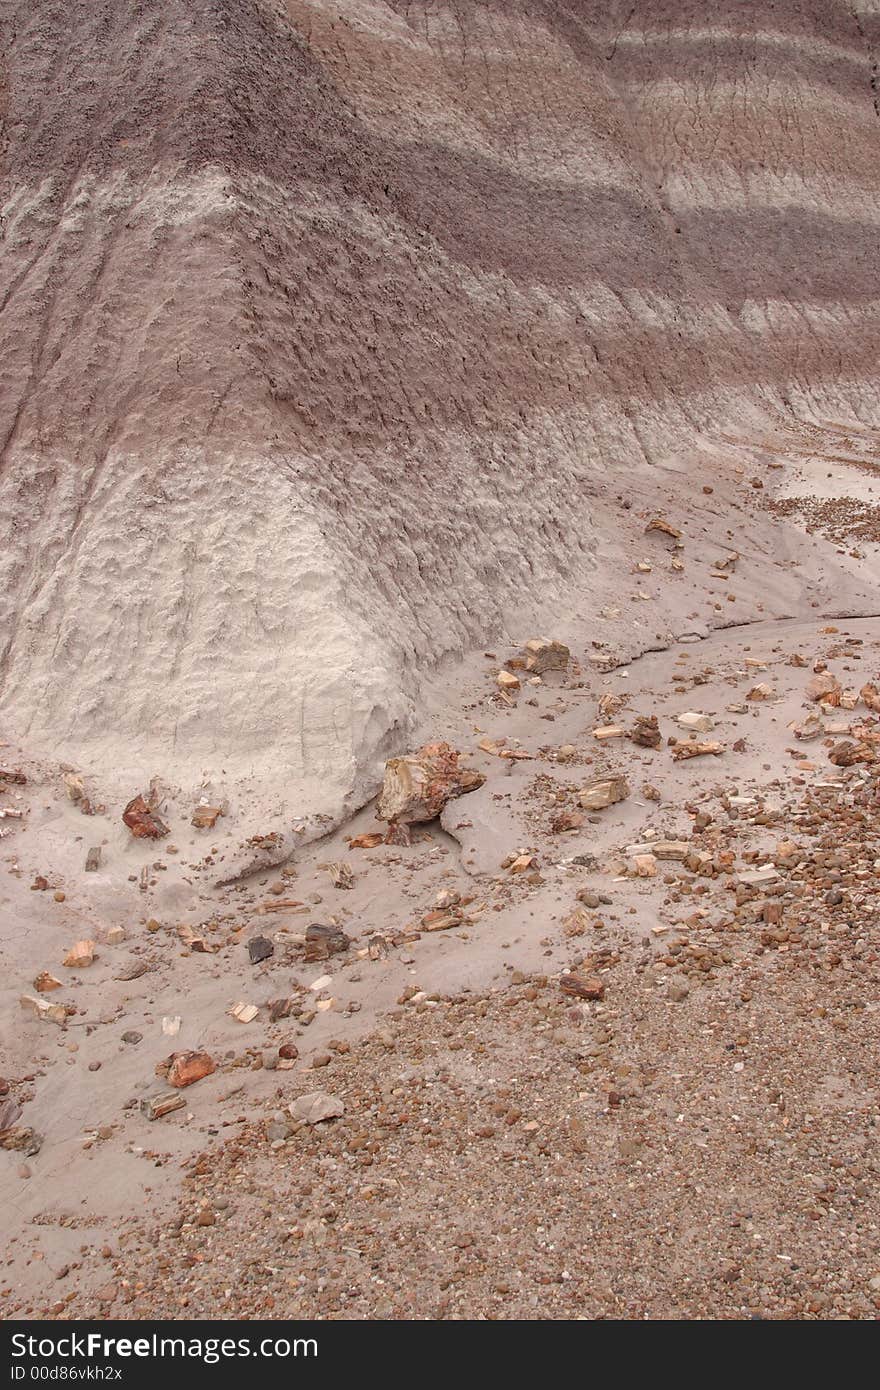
(346, 346)
(335, 338)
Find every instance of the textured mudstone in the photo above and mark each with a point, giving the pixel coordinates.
(443, 283)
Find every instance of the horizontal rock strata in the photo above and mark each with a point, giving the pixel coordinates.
(329, 331)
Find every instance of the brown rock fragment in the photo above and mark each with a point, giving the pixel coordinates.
(542, 654)
(694, 749)
(185, 1068)
(605, 791)
(847, 754)
(418, 786)
(520, 863)
(154, 1107)
(441, 919)
(825, 687)
(398, 833)
(142, 820)
(507, 681)
(660, 524)
(323, 941)
(646, 731)
(576, 923)
(582, 987)
(54, 1013)
(871, 697)
(80, 955)
(46, 982)
(21, 1138)
(645, 865)
(496, 747)
(194, 940)
(809, 728)
(611, 704)
(341, 875)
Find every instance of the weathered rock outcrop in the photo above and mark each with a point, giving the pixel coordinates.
(331, 332)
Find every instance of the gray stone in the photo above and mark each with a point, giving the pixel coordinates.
(317, 1106)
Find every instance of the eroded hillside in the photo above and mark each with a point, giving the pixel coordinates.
(331, 335)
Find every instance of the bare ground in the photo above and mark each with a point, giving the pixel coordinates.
(700, 1140)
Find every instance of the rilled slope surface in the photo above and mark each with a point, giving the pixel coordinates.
(327, 328)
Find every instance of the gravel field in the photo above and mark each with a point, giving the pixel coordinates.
(676, 1120)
